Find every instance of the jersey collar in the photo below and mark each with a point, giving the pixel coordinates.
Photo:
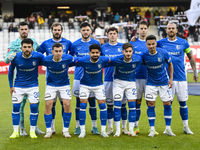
(172, 41)
(113, 44)
(85, 41)
(57, 41)
(57, 61)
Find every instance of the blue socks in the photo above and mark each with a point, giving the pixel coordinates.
(117, 110)
(124, 112)
(33, 114)
(93, 109)
(16, 114)
(168, 114)
(151, 115)
(103, 114)
(66, 119)
(82, 113)
(48, 120)
(77, 108)
(138, 112)
(132, 112)
(183, 110)
(110, 111)
(53, 111)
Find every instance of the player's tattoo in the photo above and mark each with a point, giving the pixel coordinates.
(192, 61)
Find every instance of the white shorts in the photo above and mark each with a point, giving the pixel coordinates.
(99, 92)
(65, 92)
(32, 93)
(180, 88)
(141, 85)
(76, 87)
(152, 93)
(120, 87)
(108, 85)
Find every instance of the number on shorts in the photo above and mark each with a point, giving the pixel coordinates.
(134, 91)
(68, 92)
(36, 94)
(103, 92)
(169, 92)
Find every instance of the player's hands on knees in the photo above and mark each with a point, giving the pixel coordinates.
(133, 39)
(12, 89)
(170, 84)
(11, 56)
(195, 77)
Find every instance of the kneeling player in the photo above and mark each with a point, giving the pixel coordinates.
(92, 81)
(57, 80)
(158, 83)
(26, 82)
(124, 82)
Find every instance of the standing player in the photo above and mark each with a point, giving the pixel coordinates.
(80, 48)
(57, 80)
(26, 82)
(91, 81)
(158, 83)
(46, 47)
(13, 48)
(177, 47)
(139, 46)
(124, 82)
(112, 49)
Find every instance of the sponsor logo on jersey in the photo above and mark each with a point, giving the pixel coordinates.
(133, 65)
(149, 96)
(159, 59)
(177, 46)
(119, 49)
(34, 63)
(63, 66)
(99, 65)
(78, 48)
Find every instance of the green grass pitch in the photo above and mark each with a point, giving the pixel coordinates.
(95, 142)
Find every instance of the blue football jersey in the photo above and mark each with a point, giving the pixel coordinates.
(92, 72)
(110, 50)
(27, 70)
(157, 73)
(139, 46)
(58, 71)
(80, 48)
(125, 70)
(176, 49)
(46, 46)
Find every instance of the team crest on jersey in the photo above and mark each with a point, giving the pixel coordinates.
(99, 65)
(119, 50)
(63, 66)
(34, 63)
(159, 59)
(133, 65)
(64, 47)
(177, 46)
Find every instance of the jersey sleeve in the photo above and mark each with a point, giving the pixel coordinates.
(79, 62)
(35, 45)
(158, 43)
(187, 47)
(11, 49)
(41, 49)
(73, 61)
(41, 59)
(11, 74)
(72, 52)
(142, 58)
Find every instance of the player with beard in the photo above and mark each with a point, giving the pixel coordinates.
(46, 47)
(26, 83)
(13, 48)
(177, 47)
(80, 48)
(91, 81)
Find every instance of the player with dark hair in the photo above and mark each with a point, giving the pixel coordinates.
(80, 48)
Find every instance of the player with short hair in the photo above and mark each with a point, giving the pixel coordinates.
(139, 46)
(113, 49)
(177, 47)
(46, 47)
(80, 48)
(124, 82)
(92, 81)
(26, 82)
(57, 80)
(158, 83)
(13, 48)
